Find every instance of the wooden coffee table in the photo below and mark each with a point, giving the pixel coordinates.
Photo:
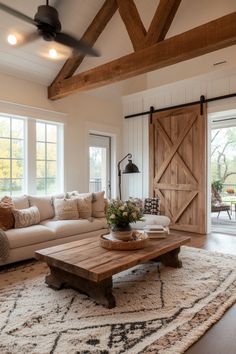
(86, 266)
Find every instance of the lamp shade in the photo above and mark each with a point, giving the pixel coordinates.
(131, 168)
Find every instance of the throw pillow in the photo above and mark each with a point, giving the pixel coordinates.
(65, 209)
(152, 206)
(6, 215)
(21, 202)
(137, 201)
(26, 217)
(98, 205)
(84, 202)
(72, 194)
(44, 204)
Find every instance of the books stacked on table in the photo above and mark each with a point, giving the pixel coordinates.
(156, 231)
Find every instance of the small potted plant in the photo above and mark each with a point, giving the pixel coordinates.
(119, 216)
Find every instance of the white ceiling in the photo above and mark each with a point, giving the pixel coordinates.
(31, 61)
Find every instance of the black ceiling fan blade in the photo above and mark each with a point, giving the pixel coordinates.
(16, 13)
(28, 38)
(75, 44)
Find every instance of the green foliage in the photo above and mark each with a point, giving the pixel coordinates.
(122, 213)
(223, 158)
(217, 185)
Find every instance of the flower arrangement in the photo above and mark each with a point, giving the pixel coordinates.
(120, 213)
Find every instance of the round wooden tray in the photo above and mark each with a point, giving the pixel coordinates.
(109, 242)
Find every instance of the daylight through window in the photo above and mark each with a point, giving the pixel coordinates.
(12, 155)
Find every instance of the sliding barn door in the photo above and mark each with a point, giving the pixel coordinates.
(178, 166)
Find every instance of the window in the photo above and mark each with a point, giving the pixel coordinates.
(12, 161)
(99, 163)
(30, 152)
(46, 158)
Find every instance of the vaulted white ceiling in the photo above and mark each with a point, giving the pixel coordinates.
(32, 62)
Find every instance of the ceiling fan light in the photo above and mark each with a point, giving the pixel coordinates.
(53, 53)
(12, 40)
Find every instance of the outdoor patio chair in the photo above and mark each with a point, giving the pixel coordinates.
(217, 205)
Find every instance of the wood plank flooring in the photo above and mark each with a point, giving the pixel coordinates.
(220, 338)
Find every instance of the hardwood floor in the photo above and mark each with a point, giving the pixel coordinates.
(220, 338)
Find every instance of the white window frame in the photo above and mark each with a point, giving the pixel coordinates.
(11, 117)
(30, 153)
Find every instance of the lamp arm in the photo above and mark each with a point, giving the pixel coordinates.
(118, 165)
(119, 171)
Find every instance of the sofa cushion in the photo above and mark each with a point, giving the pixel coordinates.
(21, 202)
(44, 204)
(64, 228)
(29, 236)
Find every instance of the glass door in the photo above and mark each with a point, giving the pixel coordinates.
(100, 164)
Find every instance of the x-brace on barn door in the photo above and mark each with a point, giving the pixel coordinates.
(178, 166)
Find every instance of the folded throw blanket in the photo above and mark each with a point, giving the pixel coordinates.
(4, 246)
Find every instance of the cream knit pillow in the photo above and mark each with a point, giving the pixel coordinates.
(84, 202)
(98, 205)
(65, 209)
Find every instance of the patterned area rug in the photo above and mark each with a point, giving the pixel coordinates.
(159, 310)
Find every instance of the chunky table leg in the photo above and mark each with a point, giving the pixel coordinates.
(170, 258)
(101, 291)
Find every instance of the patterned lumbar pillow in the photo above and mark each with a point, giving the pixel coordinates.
(66, 209)
(6, 215)
(26, 217)
(152, 206)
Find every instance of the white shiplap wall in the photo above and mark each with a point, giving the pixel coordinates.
(135, 130)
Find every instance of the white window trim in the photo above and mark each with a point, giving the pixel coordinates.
(30, 145)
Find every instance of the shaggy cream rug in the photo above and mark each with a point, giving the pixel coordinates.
(159, 309)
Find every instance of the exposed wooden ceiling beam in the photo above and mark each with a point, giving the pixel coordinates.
(214, 35)
(90, 36)
(133, 23)
(162, 21)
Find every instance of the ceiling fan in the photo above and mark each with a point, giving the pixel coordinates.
(48, 26)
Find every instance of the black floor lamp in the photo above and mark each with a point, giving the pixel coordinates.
(129, 168)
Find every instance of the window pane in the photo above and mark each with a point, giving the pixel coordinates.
(5, 186)
(40, 186)
(51, 169)
(40, 169)
(17, 128)
(17, 186)
(51, 186)
(5, 148)
(51, 133)
(17, 169)
(5, 169)
(4, 127)
(17, 149)
(40, 131)
(40, 151)
(51, 151)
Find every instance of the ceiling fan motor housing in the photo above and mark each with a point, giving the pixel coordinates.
(47, 22)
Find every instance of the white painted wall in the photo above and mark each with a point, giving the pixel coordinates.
(135, 137)
(80, 113)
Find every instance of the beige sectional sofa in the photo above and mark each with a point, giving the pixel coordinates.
(23, 242)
